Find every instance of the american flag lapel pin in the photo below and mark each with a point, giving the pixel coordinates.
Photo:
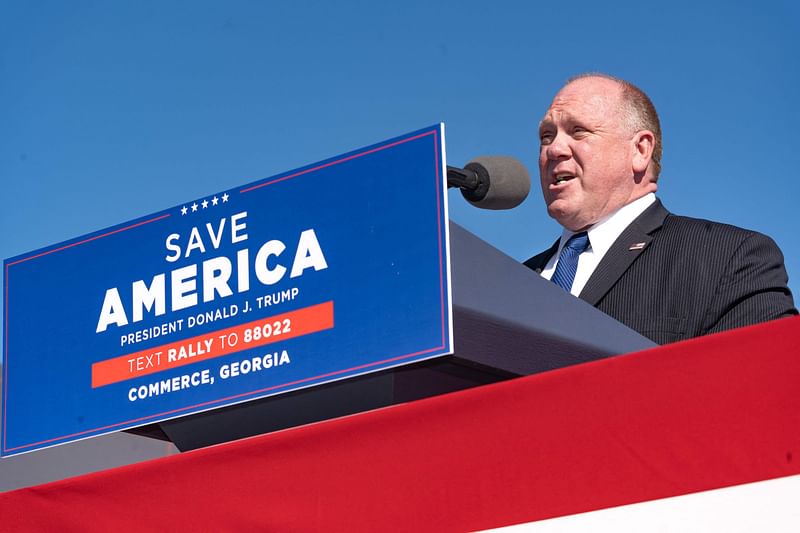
(637, 246)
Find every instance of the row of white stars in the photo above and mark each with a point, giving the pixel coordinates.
(204, 204)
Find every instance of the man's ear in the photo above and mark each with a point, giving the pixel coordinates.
(643, 144)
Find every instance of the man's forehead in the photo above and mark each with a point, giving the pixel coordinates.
(584, 98)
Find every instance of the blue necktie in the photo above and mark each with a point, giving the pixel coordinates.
(568, 260)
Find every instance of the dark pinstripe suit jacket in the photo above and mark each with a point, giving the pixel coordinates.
(693, 277)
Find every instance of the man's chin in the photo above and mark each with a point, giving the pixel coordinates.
(561, 213)
(567, 218)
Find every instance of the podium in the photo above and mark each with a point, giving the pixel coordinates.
(507, 320)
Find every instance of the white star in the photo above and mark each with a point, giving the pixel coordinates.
(205, 204)
(214, 201)
(224, 198)
(194, 207)
(183, 210)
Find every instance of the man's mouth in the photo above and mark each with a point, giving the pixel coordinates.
(562, 178)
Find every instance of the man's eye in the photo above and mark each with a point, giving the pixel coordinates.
(545, 138)
(578, 130)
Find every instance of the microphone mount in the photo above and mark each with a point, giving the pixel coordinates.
(473, 180)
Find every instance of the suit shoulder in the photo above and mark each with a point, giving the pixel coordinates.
(717, 243)
(690, 228)
(702, 225)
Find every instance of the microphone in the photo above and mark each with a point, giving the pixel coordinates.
(491, 182)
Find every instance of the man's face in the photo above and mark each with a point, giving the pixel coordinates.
(586, 153)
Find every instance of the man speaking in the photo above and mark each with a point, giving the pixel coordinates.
(666, 276)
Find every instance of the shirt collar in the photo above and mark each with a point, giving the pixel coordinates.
(603, 233)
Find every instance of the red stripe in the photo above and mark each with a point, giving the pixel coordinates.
(5, 366)
(442, 266)
(336, 162)
(712, 412)
(90, 239)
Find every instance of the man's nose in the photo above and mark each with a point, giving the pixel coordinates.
(558, 148)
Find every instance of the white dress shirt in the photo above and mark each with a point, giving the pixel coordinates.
(601, 236)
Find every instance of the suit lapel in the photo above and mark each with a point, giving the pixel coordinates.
(538, 262)
(634, 240)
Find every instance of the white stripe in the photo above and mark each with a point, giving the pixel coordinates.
(772, 505)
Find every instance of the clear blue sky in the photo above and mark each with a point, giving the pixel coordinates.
(112, 110)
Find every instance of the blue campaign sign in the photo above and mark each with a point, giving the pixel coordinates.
(318, 274)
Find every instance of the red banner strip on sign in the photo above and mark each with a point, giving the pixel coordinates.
(215, 344)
